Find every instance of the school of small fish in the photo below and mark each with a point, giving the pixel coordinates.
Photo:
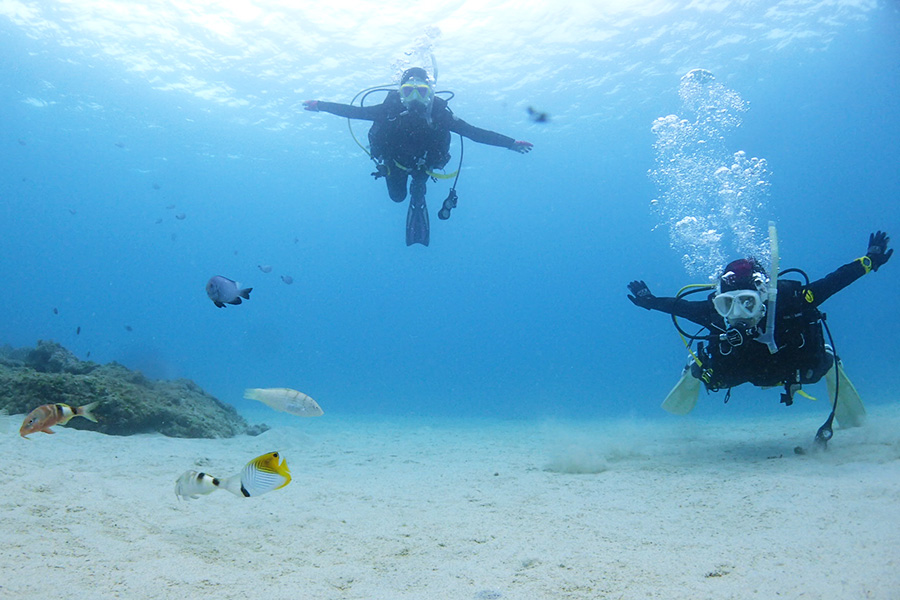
(259, 476)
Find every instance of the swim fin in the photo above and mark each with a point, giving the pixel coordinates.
(849, 411)
(683, 397)
(417, 228)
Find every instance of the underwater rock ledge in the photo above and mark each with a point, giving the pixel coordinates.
(129, 402)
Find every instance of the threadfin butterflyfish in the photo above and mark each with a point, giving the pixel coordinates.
(262, 474)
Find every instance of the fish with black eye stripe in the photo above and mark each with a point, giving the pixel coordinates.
(261, 475)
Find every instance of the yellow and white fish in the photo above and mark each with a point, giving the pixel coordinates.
(47, 415)
(262, 474)
(286, 400)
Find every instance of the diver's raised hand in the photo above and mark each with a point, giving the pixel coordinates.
(878, 251)
(522, 147)
(312, 105)
(642, 296)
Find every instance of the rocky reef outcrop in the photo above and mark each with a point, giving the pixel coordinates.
(129, 403)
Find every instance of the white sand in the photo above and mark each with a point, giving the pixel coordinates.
(464, 510)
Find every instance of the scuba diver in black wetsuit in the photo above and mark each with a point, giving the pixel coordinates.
(410, 137)
(736, 314)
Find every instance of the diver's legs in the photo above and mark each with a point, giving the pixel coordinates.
(417, 187)
(396, 184)
(417, 227)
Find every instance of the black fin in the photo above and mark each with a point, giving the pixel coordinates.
(417, 227)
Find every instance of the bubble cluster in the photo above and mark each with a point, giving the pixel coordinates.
(710, 198)
(420, 53)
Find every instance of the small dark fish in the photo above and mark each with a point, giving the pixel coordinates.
(155, 186)
(287, 279)
(265, 268)
(296, 240)
(72, 211)
(22, 142)
(537, 116)
(158, 221)
(120, 144)
(88, 355)
(170, 207)
(55, 311)
(222, 291)
(128, 328)
(181, 216)
(78, 330)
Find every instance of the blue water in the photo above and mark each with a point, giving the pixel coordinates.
(517, 309)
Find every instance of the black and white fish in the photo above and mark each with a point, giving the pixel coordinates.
(262, 474)
(222, 291)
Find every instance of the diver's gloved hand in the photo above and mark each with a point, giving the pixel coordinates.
(642, 296)
(522, 147)
(312, 105)
(380, 171)
(878, 251)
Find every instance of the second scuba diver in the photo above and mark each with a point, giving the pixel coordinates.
(410, 137)
(734, 316)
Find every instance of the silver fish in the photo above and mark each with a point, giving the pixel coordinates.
(222, 291)
(265, 268)
(286, 400)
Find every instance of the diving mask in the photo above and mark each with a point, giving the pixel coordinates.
(740, 306)
(416, 91)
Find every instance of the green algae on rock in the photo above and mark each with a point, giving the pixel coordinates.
(130, 403)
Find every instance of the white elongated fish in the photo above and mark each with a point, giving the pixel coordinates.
(262, 474)
(286, 400)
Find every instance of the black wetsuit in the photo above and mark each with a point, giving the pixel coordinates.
(801, 357)
(405, 142)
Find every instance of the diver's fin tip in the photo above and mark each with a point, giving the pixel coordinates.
(683, 397)
(417, 226)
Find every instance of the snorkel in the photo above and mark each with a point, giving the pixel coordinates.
(768, 336)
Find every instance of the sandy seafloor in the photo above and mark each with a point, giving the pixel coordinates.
(426, 509)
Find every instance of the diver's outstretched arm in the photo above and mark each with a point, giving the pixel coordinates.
(485, 136)
(876, 255)
(692, 310)
(349, 111)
